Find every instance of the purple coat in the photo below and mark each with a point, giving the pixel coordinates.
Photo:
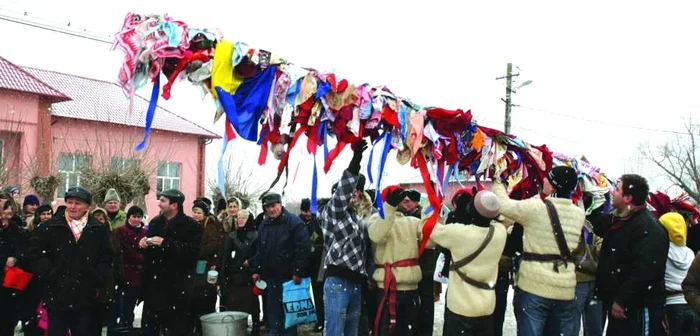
(133, 260)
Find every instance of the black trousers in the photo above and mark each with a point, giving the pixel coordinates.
(682, 320)
(457, 325)
(426, 310)
(171, 321)
(8, 311)
(499, 315)
(318, 301)
(368, 311)
(97, 318)
(407, 303)
(638, 322)
(204, 302)
(77, 321)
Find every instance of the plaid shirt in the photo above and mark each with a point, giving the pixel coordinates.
(343, 231)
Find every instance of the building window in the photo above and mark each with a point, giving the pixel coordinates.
(168, 176)
(69, 166)
(122, 164)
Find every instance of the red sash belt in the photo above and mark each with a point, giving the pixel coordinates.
(390, 292)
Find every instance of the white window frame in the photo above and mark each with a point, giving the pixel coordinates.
(66, 174)
(172, 177)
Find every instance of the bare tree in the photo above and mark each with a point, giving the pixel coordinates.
(18, 165)
(679, 159)
(115, 164)
(240, 182)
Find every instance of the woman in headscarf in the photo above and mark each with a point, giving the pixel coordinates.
(232, 208)
(237, 286)
(204, 293)
(107, 312)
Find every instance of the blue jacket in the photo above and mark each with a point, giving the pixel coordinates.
(284, 247)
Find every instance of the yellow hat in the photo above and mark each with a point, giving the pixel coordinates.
(676, 227)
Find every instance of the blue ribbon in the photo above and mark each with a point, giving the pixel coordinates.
(371, 156)
(402, 121)
(150, 113)
(324, 125)
(263, 134)
(293, 91)
(323, 88)
(220, 168)
(314, 189)
(385, 153)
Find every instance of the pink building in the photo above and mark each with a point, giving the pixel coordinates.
(452, 187)
(56, 122)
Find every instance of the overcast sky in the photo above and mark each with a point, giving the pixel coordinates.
(606, 75)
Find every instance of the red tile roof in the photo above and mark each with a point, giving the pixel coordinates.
(15, 78)
(105, 101)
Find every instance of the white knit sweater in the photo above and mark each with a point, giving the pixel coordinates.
(535, 277)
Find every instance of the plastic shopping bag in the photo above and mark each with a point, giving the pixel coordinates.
(438, 276)
(298, 307)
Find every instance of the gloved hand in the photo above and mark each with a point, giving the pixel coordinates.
(357, 147)
(396, 196)
(414, 195)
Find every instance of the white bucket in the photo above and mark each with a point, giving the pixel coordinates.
(230, 323)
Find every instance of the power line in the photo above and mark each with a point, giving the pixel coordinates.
(600, 121)
(34, 22)
(548, 135)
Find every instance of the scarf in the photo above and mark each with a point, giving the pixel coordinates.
(77, 226)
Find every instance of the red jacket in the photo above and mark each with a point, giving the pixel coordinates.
(133, 260)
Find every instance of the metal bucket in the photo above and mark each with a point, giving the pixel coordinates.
(230, 323)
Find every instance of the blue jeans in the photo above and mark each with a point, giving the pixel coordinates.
(589, 309)
(533, 312)
(342, 300)
(275, 308)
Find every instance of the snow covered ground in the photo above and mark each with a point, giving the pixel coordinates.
(509, 327)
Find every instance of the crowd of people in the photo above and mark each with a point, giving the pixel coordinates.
(573, 263)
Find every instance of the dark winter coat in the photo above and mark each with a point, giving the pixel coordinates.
(74, 271)
(245, 245)
(284, 247)
(211, 246)
(313, 227)
(167, 267)
(632, 260)
(132, 255)
(691, 285)
(212, 241)
(115, 276)
(12, 240)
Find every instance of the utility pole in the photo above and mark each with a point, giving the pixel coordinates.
(509, 82)
(509, 93)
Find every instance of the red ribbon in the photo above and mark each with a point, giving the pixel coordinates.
(390, 292)
(188, 57)
(435, 202)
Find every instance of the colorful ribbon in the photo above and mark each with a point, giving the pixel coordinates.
(382, 162)
(150, 113)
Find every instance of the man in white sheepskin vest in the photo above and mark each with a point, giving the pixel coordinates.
(546, 280)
